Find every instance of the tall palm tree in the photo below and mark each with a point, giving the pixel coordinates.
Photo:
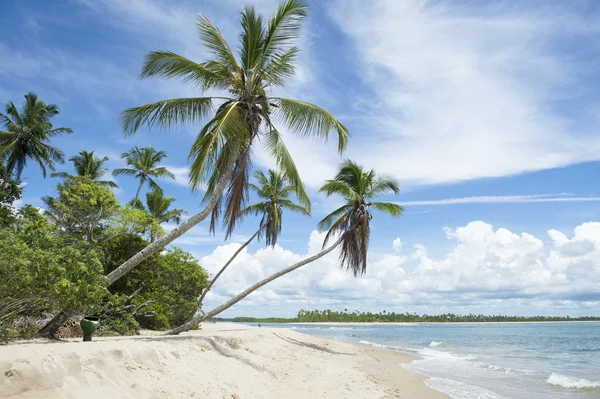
(358, 187)
(275, 191)
(28, 134)
(221, 153)
(159, 207)
(88, 165)
(143, 165)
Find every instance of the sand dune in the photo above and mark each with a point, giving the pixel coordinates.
(221, 361)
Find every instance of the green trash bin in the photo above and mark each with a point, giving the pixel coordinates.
(88, 325)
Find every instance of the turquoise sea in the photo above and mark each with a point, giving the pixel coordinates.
(489, 360)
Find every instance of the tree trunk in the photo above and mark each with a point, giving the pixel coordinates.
(160, 243)
(137, 194)
(177, 232)
(242, 295)
(227, 264)
(51, 329)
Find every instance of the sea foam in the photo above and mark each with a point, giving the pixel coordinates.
(570, 382)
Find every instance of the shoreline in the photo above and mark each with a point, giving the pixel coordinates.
(393, 323)
(223, 360)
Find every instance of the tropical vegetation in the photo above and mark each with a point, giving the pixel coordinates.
(88, 165)
(86, 252)
(27, 135)
(143, 165)
(345, 316)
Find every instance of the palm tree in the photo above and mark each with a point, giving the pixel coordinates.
(87, 165)
(143, 165)
(221, 153)
(158, 207)
(28, 134)
(275, 190)
(358, 187)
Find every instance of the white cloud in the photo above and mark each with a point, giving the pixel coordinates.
(463, 91)
(397, 244)
(503, 199)
(181, 175)
(487, 270)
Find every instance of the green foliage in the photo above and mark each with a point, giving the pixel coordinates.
(87, 165)
(327, 315)
(82, 208)
(27, 135)
(10, 191)
(143, 165)
(358, 187)
(275, 192)
(173, 281)
(40, 272)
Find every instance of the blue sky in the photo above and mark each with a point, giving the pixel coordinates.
(487, 113)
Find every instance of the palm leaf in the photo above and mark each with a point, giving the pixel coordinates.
(278, 150)
(170, 65)
(213, 40)
(387, 207)
(289, 205)
(333, 217)
(308, 119)
(284, 25)
(165, 114)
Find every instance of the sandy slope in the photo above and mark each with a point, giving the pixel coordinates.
(222, 361)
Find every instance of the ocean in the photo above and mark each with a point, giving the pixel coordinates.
(489, 360)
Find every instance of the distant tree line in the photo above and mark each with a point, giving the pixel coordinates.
(331, 316)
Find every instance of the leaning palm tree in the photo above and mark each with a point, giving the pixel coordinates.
(27, 135)
(221, 155)
(143, 165)
(88, 165)
(351, 221)
(358, 187)
(159, 207)
(275, 191)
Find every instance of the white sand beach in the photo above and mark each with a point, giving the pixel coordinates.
(220, 361)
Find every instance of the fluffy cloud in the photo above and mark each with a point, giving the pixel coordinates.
(488, 270)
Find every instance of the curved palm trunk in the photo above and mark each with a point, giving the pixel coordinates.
(52, 327)
(242, 295)
(137, 194)
(227, 265)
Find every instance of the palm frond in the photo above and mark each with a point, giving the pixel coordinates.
(107, 183)
(161, 172)
(169, 65)
(289, 205)
(387, 207)
(277, 149)
(213, 40)
(124, 172)
(339, 187)
(333, 217)
(307, 119)
(251, 49)
(284, 25)
(166, 113)
(383, 185)
(59, 131)
(62, 175)
(280, 67)
(229, 127)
